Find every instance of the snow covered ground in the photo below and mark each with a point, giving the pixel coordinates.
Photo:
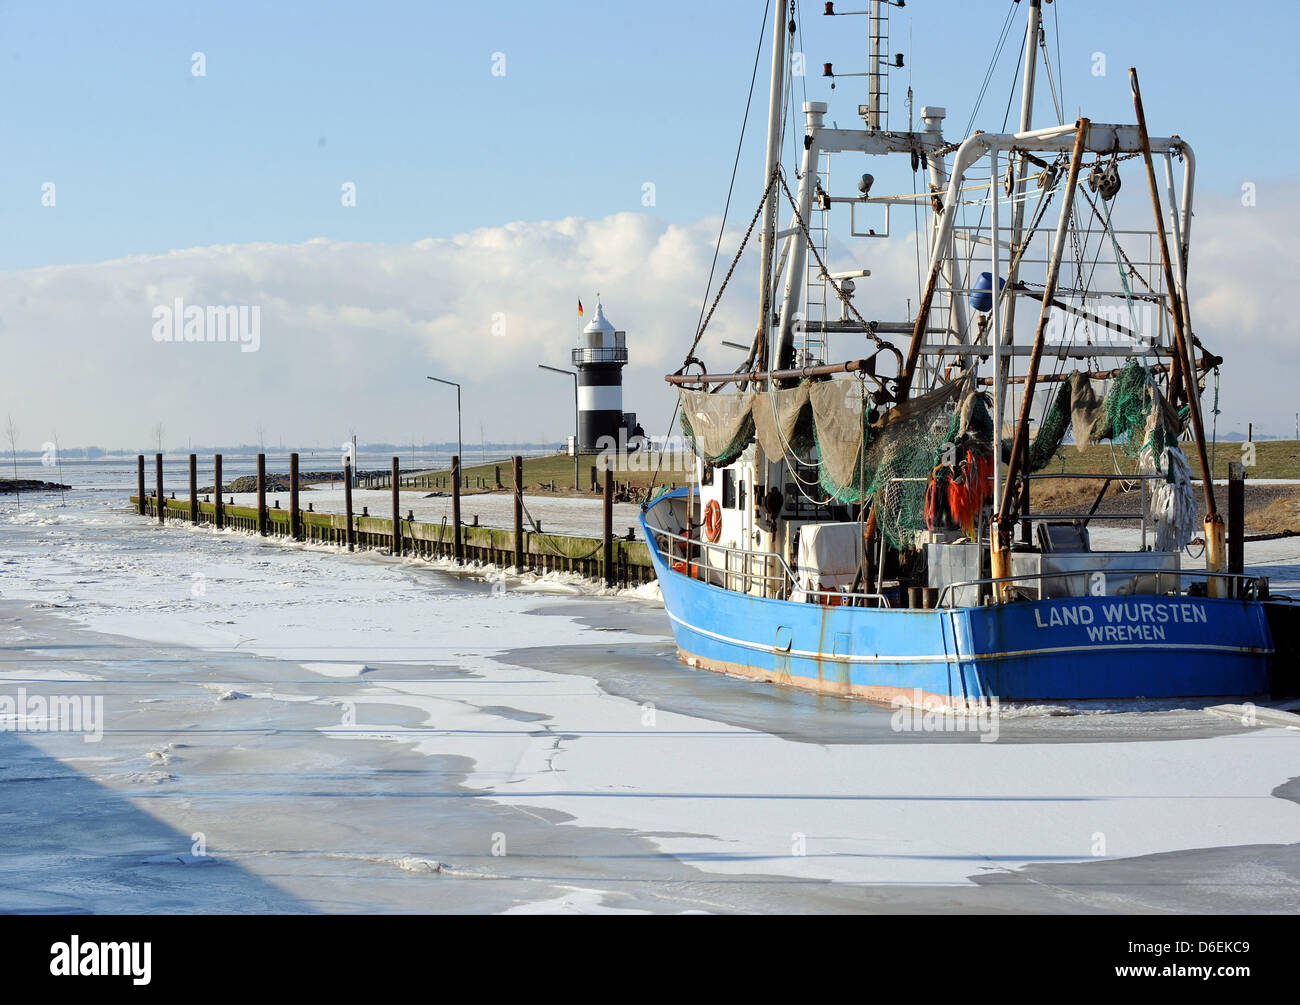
(557, 514)
(348, 730)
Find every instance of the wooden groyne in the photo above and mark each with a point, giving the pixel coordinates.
(612, 560)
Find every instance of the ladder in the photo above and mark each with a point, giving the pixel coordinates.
(878, 64)
(816, 283)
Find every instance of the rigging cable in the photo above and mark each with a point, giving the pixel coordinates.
(722, 227)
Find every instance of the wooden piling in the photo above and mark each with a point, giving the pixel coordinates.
(1236, 517)
(194, 488)
(218, 508)
(397, 507)
(295, 520)
(347, 503)
(157, 467)
(608, 531)
(139, 465)
(458, 549)
(517, 464)
(261, 494)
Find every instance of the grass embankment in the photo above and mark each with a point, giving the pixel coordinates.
(1274, 512)
(1271, 509)
(558, 468)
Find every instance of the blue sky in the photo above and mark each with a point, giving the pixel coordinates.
(597, 98)
(481, 194)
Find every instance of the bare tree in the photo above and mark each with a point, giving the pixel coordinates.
(11, 433)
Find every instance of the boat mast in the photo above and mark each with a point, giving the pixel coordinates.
(770, 204)
(1018, 205)
(873, 66)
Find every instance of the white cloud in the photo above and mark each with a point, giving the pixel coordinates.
(349, 330)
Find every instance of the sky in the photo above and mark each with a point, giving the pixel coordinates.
(499, 156)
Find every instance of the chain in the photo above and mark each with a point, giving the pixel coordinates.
(690, 354)
(869, 328)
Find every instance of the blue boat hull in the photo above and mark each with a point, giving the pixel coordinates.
(1073, 648)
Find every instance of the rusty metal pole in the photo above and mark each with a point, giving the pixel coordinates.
(347, 503)
(139, 464)
(397, 507)
(218, 507)
(1020, 440)
(458, 549)
(607, 505)
(261, 494)
(295, 518)
(918, 332)
(194, 488)
(158, 477)
(1180, 334)
(1214, 529)
(1000, 537)
(517, 463)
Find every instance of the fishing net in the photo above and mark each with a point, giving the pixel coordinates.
(719, 426)
(898, 461)
(1051, 432)
(783, 422)
(1084, 405)
(840, 428)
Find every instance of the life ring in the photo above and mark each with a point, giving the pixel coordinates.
(713, 521)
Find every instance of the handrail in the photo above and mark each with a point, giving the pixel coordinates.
(1061, 574)
(786, 581)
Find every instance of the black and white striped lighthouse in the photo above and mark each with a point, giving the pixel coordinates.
(600, 356)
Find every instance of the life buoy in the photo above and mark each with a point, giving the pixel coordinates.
(713, 520)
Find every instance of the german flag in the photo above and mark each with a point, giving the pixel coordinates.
(579, 308)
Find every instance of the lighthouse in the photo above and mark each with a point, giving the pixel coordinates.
(599, 357)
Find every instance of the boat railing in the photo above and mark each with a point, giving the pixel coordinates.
(784, 582)
(1241, 586)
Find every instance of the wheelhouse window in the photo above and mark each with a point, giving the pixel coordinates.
(728, 488)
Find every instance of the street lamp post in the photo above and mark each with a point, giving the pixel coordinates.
(574, 374)
(452, 383)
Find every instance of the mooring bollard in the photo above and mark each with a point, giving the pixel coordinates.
(517, 463)
(397, 507)
(194, 488)
(157, 467)
(218, 510)
(139, 465)
(457, 545)
(347, 502)
(608, 539)
(261, 494)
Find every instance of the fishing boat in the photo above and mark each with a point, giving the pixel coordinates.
(860, 515)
